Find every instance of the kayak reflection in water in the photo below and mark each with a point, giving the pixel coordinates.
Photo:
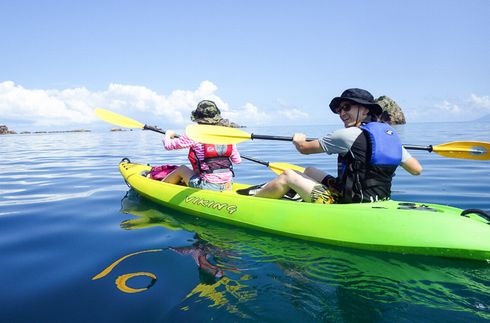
(201, 251)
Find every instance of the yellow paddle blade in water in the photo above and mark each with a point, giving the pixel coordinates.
(218, 135)
(118, 119)
(278, 168)
(477, 150)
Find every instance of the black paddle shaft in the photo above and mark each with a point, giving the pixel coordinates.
(153, 128)
(156, 129)
(415, 147)
(280, 138)
(256, 160)
(283, 138)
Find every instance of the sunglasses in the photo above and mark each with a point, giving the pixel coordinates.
(345, 107)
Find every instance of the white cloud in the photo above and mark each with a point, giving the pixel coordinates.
(448, 107)
(467, 109)
(289, 112)
(247, 115)
(480, 102)
(294, 114)
(38, 106)
(251, 115)
(75, 106)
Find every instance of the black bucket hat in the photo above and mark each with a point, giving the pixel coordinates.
(360, 96)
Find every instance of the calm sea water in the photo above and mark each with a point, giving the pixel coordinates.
(76, 245)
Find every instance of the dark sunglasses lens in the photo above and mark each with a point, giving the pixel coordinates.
(345, 107)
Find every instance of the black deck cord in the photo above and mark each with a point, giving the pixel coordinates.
(479, 212)
(126, 159)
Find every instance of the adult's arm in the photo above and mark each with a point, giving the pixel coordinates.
(306, 147)
(412, 166)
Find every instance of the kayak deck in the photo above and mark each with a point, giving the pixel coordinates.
(404, 227)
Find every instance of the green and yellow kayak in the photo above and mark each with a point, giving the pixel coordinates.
(393, 226)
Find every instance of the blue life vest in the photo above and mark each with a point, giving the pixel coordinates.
(386, 147)
(366, 171)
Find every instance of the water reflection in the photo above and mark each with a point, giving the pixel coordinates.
(201, 251)
(302, 280)
(219, 289)
(122, 280)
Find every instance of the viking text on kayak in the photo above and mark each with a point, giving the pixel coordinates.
(211, 204)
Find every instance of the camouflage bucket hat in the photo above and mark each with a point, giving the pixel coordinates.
(206, 113)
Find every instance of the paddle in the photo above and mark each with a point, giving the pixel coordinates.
(277, 168)
(477, 150)
(123, 121)
(224, 135)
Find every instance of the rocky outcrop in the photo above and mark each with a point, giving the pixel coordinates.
(392, 113)
(228, 123)
(4, 130)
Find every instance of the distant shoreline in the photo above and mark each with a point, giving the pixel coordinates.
(11, 132)
(6, 131)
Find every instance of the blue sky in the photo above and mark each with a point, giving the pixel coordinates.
(263, 62)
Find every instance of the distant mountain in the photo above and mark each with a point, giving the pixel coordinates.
(485, 118)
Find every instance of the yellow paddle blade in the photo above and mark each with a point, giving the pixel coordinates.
(217, 135)
(477, 150)
(278, 168)
(117, 119)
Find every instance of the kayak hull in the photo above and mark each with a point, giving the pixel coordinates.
(414, 228)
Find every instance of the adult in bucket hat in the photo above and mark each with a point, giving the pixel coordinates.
(368, 154)
(212, 167)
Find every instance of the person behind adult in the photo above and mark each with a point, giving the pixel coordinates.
(212, 165)
(368, 154)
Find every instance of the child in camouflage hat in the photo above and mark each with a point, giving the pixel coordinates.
(211, 164)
